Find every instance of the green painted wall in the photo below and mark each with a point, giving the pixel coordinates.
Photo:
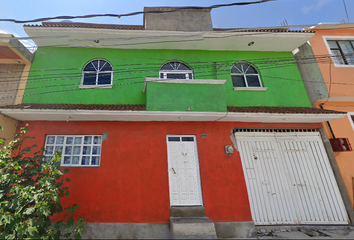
(180, 97)
(56, 74)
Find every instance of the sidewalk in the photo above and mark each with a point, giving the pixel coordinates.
(305, 232)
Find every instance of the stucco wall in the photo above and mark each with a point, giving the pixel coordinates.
(56, 74)
(131, 184)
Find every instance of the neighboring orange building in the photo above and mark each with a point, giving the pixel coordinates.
(330, 85)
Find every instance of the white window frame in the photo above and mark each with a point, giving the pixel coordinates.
(96, 85)
(350, 114)
(81, 149)
(247, 88)
(337, 38)
(176, 71)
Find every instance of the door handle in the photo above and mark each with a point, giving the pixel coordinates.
(174, 170)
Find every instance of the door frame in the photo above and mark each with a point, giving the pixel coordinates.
(169, 168)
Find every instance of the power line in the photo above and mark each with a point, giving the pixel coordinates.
(134, 13)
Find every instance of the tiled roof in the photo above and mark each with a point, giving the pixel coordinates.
(140, 27)
(261, 30)
(141, 107)
(105, 107)
(87, 25)
(286, 110)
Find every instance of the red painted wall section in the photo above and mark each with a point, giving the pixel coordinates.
(131, 184)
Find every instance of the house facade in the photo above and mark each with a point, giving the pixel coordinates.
(172, 123)
(15, 63)
(330, 86)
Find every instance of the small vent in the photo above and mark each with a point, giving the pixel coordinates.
(340, 144)
(272, 130)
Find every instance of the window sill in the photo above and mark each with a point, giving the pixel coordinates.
(262, 89)
(95, 86)
(343, 65)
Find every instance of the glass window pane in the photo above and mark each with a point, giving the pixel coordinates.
(76, 160)
(95, 160)
(77, 150)
(69, 140)
(86, 150)
(49, 150)
(161, 75)
(190, 76)
(96, 150)
(337, 57)
(173, 139)
(77, 140)
(187, 139)
(253, 81)
(68, 150)
(97, 140)
(58, 148)
(250, 69)
(85, 160)
(60, 140)
(104, 78)
(105, 66)
(67, 159)
(236, 68)
(332, 44)
(176, 76)
(50, 139)
(348, 51)
(87, 140)
(92, 66)
(47, 158)
(182, 66)
(237, 81)
(89, 79)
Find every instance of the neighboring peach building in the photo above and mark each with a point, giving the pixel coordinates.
(15, 63)
(330, 85)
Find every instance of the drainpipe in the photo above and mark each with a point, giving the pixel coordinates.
(329, 125)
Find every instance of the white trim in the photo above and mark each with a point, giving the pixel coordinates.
(102, 115)
(95, 86)
(349, 114)
(337, 38)
(250, 88)
(187, 81)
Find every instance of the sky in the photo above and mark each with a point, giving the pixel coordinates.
(268, 14)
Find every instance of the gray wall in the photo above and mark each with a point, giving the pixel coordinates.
(183, 20)
(10, 75)
(310, 73)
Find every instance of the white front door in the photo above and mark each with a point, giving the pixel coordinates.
(183, 170)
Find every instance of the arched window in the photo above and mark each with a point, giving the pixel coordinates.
(245, 75)
(176, 70)
(97, 72)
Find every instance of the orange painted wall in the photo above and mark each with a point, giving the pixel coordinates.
(131, 184)
(342, 128)
(340, 83)
(342, 78)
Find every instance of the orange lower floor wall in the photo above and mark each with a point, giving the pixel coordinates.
(342, 128)
(131, 184)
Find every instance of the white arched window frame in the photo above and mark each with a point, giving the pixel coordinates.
(175, 70)
(97, 73)
(245, 75)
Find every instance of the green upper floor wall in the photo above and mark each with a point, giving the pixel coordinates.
(56, 73)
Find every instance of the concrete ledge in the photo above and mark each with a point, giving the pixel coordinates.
(235, 229)
(126, 231)
(187, 212)
(192, 228)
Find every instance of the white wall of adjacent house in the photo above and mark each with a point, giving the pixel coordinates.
(289, 179)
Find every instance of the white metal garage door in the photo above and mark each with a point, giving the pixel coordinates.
(289, 179)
